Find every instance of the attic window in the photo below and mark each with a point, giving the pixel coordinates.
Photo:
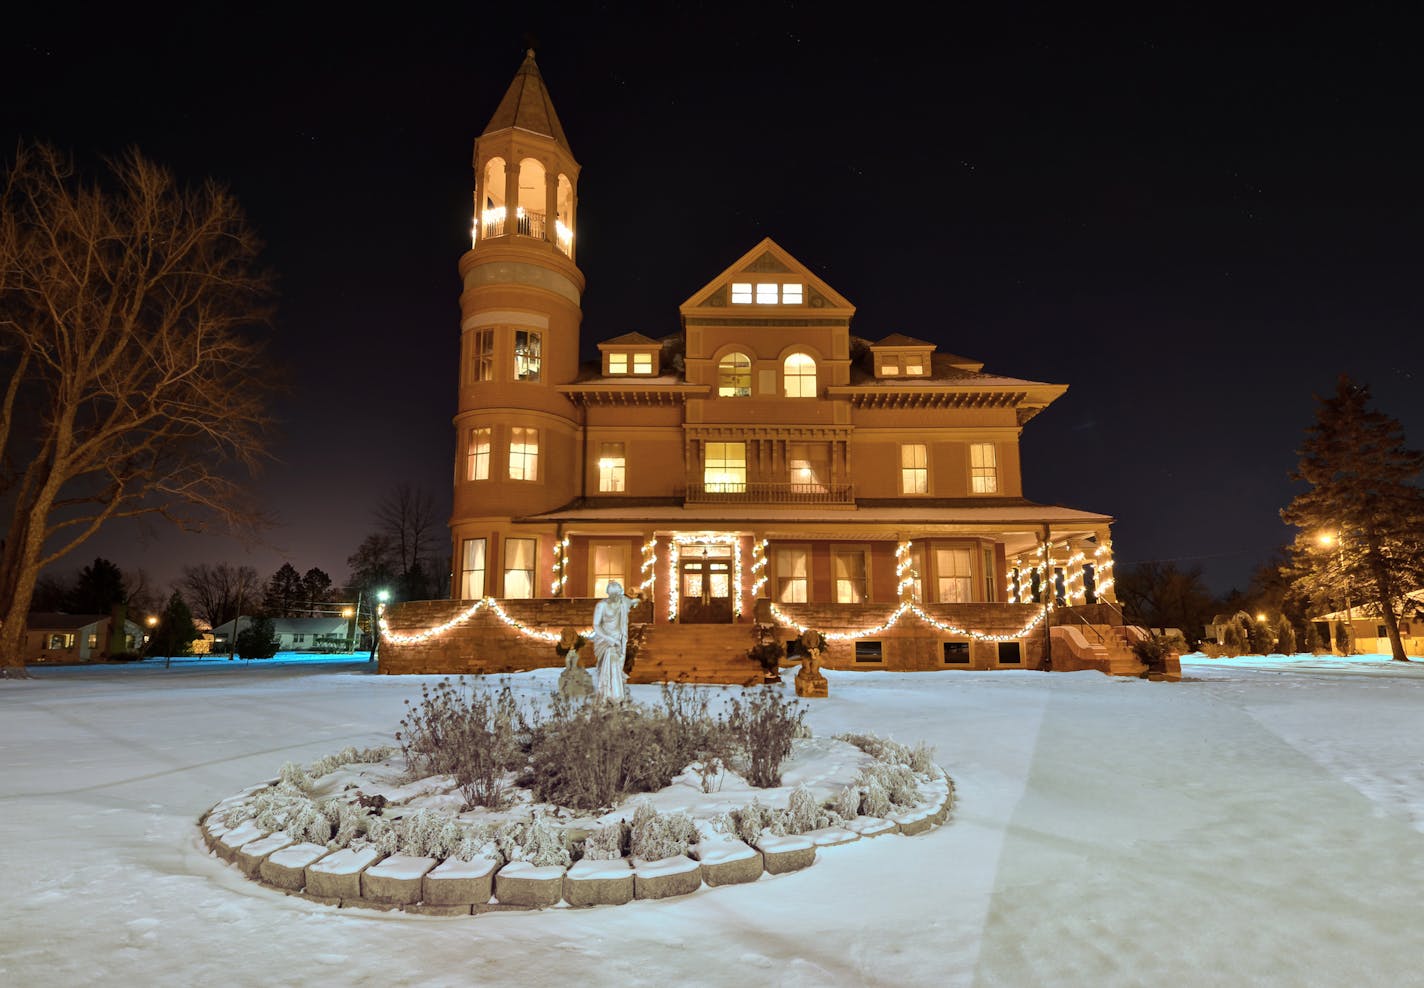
(642, 363)
(768, 293)
(617, 363)
(791, 294)
(914, 366)
(741, 293)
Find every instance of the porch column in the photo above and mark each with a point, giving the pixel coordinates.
(511, 195)
(551, 205)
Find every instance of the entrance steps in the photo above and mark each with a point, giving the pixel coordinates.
(696, 653)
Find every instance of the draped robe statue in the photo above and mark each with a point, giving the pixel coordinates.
(610, 641)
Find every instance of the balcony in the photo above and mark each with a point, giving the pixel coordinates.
(527, 223)
(733, 493)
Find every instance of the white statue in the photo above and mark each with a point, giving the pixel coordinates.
(610, 641)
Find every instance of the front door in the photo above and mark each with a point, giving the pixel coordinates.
(706, 590)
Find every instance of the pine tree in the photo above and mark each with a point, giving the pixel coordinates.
(175, 632)
(316, 589)
(1285, 636)
(1361, 523)
(284, 592)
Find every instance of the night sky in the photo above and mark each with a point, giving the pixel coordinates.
(1196, 223)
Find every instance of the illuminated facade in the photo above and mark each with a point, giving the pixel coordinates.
(760, 464)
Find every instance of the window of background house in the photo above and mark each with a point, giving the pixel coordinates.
(799, 375)
(724, 467)
(734, 376)
(610, 562)
(952, 569)
(914, 468)
(983, 468)
(528, 355)
(848, 566)
(523, 453)
(483, 368)
(519, 568)
(611, 468)
(792, 576)
(472, 569)
(478, 455)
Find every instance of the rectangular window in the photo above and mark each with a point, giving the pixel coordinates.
(792, 576)
(848, 566)
(523, 454)
(1010, 654)
(519, 569)
(989, 594)
(915, 574)
(983, 468)
(617, 363)
(483, 367)
(766, 293)
(93, 640)
(914, 366)
(611, 468)
(1381, 631)
(956, 653)
(914, 468)
(724, 467)
(299, 639)
(478, 455)
(472, 569)
(642, 363)
(791, 294)
(741, 293)
(952, 571)
(868, 652)
(610, 562)
(889, 369)
(528, 354)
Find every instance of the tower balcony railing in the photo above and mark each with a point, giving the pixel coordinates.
(769, 493)
(527, 223)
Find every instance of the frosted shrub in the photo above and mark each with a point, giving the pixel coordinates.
(271, 809)
(478, 843)
(608, 843)
(752, 820)
(897, 782)
(764, 726)
(349, 756)
(472, 735)
(381, 835)
(295, 776)
(919, 759)
(415, 833)
(847, 802)
(538, 842)
(656, 836)
(346, 821)
(802, 811)
(309, 823)
(873, 800)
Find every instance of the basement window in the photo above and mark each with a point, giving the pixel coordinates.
(869, 652)
(956, 653)
(1010, 654)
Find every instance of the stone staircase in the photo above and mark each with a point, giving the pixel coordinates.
(696, 653)
(1106, 648)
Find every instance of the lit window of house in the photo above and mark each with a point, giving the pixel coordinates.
(478, 455)
(472, 569)
(792, 294)
(483, 366)
(610, 563)
(914, 366)
(519, 568)
(528, 355)
(734, 376)
(792, 576)
(741, 293)
(642, 363)
(724, 467)
(983, 468)
(955, 579)
(611, 465)
(523, 454)
(767, 292)
(889, 369)
(617, 363)
(914, 469)
(61, 641)
(848, 566)
(799, 373)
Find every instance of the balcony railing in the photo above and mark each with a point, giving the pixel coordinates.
(527, 223)
(729, 493)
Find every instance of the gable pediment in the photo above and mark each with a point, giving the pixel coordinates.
(746, 286)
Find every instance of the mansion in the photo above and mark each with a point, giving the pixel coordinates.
(761, 466)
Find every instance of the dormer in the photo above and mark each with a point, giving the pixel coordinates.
(901, 356)
(631, 355)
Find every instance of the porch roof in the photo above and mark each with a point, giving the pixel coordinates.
(712, 515)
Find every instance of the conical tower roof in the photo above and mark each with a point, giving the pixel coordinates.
(526, 105)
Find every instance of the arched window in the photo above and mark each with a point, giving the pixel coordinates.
(734, 376)
(492, 192)
(799, 373)
(532, 199)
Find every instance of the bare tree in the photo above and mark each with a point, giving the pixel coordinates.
(219, 593)
(127, 383)
(407, 517)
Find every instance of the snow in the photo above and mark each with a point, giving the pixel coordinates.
(1258, 823)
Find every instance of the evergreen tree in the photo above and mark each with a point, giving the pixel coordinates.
(175, 631)
(1312, 639)
(284, 592)
(316, 589)
(258, 640)
(1285, 636)
(1232, 639)
(99, 587)
(1361, 522)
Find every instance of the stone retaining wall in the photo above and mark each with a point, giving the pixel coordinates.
(363, 878)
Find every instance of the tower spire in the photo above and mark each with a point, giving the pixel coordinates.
(526, 106)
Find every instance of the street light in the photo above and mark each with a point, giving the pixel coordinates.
(1327, 539)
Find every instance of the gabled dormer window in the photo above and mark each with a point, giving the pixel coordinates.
(632, 353)
(768, 293)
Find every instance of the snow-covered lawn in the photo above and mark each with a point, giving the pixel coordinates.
(1262, 822)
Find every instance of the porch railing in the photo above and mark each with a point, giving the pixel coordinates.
(768, 493)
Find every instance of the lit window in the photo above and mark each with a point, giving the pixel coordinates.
(983, 468)
(914, 469)
(914, 575)
(523, 454)
(642, 363)
(519, 568)
(791, 294)
(914, 366)
(989, 576)
(767, 292)
(792, 579)
(734, 376)
(611, 467)
(952, 570)
(93, 640)
(849, 568)
(799, 372)
(724, 467)
(610, 562)
(472, 569)
(888, 368)
(478, 455)
(528, 355)
(741, 293)
(617, 363)
(483, 367)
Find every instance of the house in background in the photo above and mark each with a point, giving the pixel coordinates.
(1369, 632)
(760, 465)
(54, 637)
(309, 634)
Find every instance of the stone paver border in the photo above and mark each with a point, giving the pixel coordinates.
(364, 878)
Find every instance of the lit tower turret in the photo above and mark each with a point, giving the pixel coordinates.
(517, 436)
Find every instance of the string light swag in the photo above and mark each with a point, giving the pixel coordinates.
(758, 567)
(561, 568)
(417, 637)
(903, 570)
(649, 569)
(909, 607)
